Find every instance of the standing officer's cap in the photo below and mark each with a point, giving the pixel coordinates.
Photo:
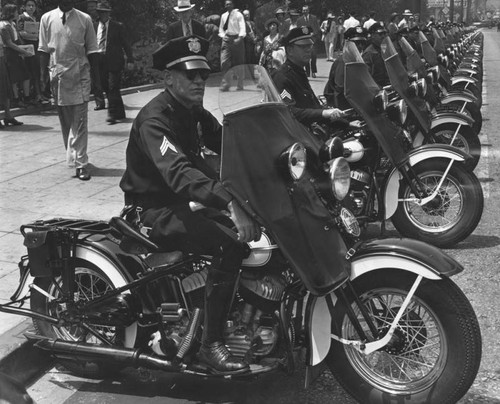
(377, 28)
(185, 53)
(298, 36)
(356, 34)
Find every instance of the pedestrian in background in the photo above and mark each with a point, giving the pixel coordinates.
(95, 75)
(392, 25)
(370, 21)
(5, 91)
(232, 30)
(271, 44)
(329, 30)
(14, 54)
(340, 34)
(186, 26)
(68, 41)
(250, 39)
(112, 44)
(351, 22)
(283, 24)
(309, 20)
(28, 19)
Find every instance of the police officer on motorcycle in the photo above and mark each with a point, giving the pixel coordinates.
(372, 55)
(292, 82)
(166, 172)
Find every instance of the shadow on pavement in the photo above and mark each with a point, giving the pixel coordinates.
(476, 241)
(106, 172)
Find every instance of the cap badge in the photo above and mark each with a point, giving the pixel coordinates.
(194, 45)
(359, 30)
(305, 30)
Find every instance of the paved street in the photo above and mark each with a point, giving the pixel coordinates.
(35, 184)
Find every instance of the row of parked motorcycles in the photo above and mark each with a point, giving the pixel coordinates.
(383, 315)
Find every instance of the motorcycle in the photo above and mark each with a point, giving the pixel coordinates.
(441, 100)
(383, 315)
(447, 127)
(428, 192)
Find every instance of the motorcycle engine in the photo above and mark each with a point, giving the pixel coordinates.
(355, 201)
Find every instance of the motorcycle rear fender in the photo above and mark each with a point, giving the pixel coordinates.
(104, 258)
(458, 96)
(421, 153)
(463, 79)
(396, 253)
(442, 118)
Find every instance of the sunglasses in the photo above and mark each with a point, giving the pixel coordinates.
(191, 74)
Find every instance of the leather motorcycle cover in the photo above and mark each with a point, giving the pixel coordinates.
(360, 89)
(428, 51)
(253, 140)
(399, 81)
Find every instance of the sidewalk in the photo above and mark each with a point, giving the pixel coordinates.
(36, 184)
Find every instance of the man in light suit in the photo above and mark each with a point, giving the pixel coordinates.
(112, 45)
(309, 20)
(186, 26)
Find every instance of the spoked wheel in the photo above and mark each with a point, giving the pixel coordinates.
(466, 140)
(90, 283)
(451, 215)
(434, 354)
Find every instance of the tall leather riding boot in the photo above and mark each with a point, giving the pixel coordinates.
(213, 352)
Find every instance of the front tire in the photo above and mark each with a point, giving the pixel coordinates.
(90, 283)
(434, 355)
(451, 216)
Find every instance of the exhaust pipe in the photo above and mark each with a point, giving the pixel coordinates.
(123, 356)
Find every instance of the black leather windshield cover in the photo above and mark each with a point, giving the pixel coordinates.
(253, 140)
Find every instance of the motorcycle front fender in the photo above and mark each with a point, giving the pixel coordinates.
(458, 96)
(442, 118)
(421, 153)
(396, 253)
(463, 79)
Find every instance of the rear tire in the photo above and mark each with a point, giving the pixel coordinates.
(434, 355)
(91, 282)
(451, 216)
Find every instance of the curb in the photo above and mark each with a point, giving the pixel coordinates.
(20, 359)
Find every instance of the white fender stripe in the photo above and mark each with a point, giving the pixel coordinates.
(321, 330)
(371, 263)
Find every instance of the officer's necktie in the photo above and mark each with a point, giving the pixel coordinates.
(102, 41)
(188, 30)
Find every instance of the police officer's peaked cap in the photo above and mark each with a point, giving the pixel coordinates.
(185, 53)
(298, 36)
(377, 28)
(356, 34)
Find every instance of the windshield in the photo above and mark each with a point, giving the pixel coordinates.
(258, 89)
(351, 53)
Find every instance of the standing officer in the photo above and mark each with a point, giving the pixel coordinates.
(292, 82)
(165, 172)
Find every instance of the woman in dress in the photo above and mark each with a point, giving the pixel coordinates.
(271, 45)
(31, 38)
(340, 34)
(5, 91)
(13, 53)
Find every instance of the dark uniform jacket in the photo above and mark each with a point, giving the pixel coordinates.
(164, 163)
(294, 88)
(174, 30)
(334, 88)
(116, 46)
(376, 66)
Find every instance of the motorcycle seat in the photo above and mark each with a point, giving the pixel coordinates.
(132, 241)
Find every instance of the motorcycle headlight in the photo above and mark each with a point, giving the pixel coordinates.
(331, 149)
(340, 177)
(294, 160)
(398, 112)
(422, 88)
(381, 100)
(413, 77)
(434, 73)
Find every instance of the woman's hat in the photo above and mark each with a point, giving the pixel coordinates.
(271, 21)
(330, 15)
(103, 6)
(183, 5)
(407, 12)
(279, 11)
(294, 12)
